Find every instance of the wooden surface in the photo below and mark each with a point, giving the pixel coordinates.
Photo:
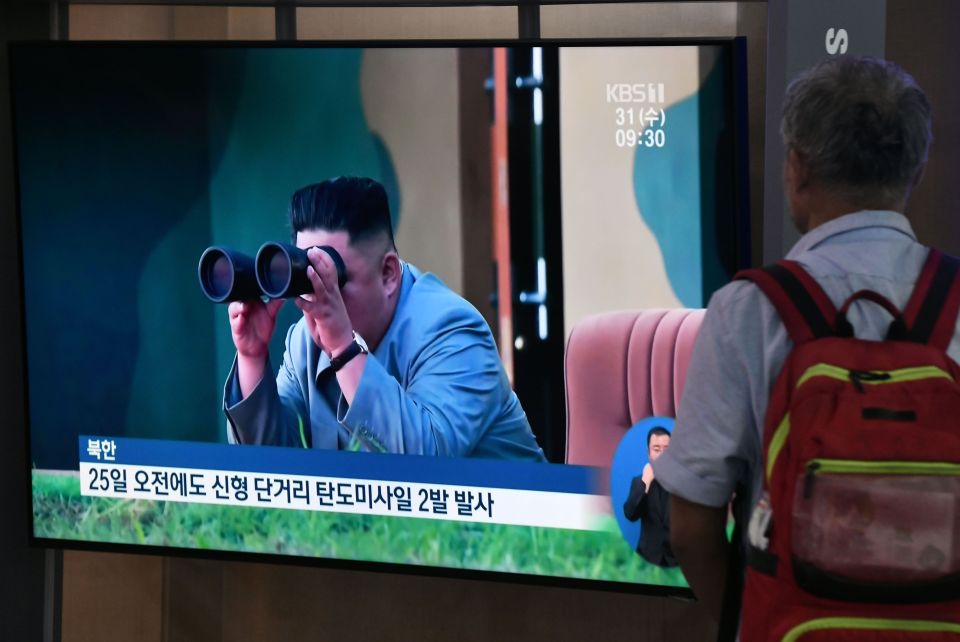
(153, 599)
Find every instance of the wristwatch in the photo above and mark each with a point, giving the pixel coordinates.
(357, 346)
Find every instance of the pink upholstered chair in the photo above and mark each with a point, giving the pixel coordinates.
(621, 367)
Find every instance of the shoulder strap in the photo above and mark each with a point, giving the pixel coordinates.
(803, 306)
(931, 312)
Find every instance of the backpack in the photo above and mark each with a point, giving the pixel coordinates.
(857, 536)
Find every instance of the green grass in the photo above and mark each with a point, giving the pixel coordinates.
(60, 512)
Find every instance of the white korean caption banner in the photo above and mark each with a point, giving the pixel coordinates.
(343, 495)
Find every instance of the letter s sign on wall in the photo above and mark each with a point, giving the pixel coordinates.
(837, 41)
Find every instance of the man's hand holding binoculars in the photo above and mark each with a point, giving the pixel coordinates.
(313, 278)
(326, 315)
(252, 324)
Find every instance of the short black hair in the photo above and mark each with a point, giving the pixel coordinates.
(355, 205)
(656, 431)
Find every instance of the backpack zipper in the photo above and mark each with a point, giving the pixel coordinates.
(855, 467)
(869, 624)
(860, 377)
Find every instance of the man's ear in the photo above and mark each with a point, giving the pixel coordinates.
(796, 174)
(391, 273)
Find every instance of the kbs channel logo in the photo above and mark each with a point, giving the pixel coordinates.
(621, 92)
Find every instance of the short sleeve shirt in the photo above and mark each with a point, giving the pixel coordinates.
(742, 345)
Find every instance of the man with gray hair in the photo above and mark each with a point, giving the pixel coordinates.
(856, 133)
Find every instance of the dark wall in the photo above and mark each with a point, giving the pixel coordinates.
(924, 38)
(131, 161)
(112, 160)
(21, 586)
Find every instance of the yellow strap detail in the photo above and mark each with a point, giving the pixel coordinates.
(852, 466)
(823, 370)
(776, 444)
(900, 375)
(870, 624)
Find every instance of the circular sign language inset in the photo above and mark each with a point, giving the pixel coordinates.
(631, 461)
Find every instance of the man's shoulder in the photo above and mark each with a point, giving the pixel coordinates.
(433, 319)
(741, 322)
(432, 303)
(736, 299)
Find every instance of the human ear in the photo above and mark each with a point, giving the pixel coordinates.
(795, 173)
(390, 273)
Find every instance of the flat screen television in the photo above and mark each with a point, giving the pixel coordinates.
(541, 182)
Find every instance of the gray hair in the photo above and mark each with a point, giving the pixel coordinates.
(861, 126)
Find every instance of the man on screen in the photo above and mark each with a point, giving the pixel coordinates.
(392, 362)
(650, 503)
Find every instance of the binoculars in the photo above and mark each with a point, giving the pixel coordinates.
(279, 271)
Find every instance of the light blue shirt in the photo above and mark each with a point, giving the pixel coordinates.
(742, 346)
(433, 386)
